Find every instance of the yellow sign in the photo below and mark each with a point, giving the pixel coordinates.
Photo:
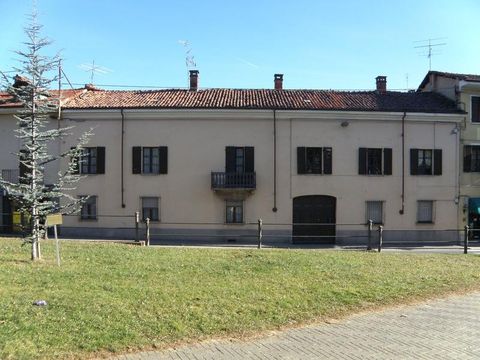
(54, 219)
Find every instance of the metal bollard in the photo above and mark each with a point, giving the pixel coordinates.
(137, 221)
(260, 233)
(370, 227)
(147, 225)
(465, 239)
(380, 238)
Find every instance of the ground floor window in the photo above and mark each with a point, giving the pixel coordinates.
(89, 208)
(375, 212)
(425, 211)
(234, 212)
(150, 208)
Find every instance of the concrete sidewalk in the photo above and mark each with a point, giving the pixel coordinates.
(438, 329)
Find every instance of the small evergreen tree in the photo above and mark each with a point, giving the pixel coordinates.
(38, 104)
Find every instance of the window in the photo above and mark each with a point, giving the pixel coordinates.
(239, 159)
(475, 109)
(92, 161)
(89, 161)
(375, 212)
(314, 160)
(425, 211)
(89, 208)
(150, 208)
(425, 162)
(150, 160)
(375, 161)
(471, 158)
(234, 212)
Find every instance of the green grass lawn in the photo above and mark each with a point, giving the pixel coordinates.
(116, 298)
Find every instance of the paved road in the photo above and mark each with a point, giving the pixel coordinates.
(438, 329)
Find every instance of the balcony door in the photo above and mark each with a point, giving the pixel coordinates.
(239, 160)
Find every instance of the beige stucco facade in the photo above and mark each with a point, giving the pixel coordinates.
(196, 141)
(461, 92)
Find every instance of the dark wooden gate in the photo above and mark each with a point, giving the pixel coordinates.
(312, 210)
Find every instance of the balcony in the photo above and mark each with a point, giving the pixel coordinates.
(233, 182)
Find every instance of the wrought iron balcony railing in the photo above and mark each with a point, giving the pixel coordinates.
(221, 180)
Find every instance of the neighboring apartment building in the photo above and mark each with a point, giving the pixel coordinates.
(464, 89)
(214, 161)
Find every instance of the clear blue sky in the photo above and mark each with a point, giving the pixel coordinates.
(241, 44)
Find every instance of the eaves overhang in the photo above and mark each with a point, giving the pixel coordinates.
(246, 114)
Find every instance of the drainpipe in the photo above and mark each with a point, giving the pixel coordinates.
(402, 210)
(274, 209)
(121, 157)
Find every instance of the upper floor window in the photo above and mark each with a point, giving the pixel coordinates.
(425, 162)
(475, 110)
(150, 160)
(471, 158)
(375, 161)
(92, 161)
(314, 160)
(239, 159)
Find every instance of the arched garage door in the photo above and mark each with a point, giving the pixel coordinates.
(311, 210)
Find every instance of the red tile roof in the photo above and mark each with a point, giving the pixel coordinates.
(92, 98)
(7, 101)
(264, 99)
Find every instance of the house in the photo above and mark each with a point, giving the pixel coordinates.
(464, 89)
(211, 162)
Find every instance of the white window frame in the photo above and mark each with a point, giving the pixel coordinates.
(158, 207)
(242, 204)
(382, 204)
(143, 160)
(432, 202)
(84, 161)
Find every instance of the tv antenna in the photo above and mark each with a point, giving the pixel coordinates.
(94, 69)
(189, 58)
(429, 45)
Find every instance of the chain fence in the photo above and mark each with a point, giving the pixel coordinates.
(368, 236)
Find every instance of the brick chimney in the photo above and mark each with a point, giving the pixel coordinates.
(193, 80)
(381, 84)
(278, 81)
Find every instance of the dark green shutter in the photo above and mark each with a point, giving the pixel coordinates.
(387, 161)
(137, 160)
(76, 163)
(163, 154)
(301, 158)
(413, 161)
(230, 159)
(475, 108)
(327, 160)
(467, 158)
(100, 160)
(437, 162)
(249, 159)
(362, 161)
